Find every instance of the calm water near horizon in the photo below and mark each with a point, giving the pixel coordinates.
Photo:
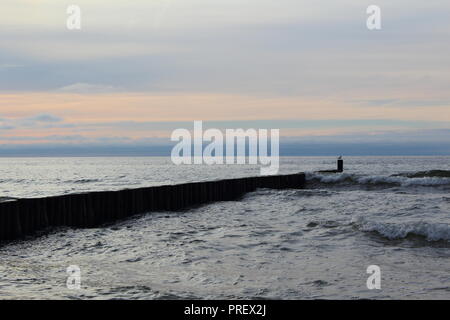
(288, 244)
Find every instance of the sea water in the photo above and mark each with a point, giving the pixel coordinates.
(314, 243)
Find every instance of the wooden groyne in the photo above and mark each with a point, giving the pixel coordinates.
(22, 217)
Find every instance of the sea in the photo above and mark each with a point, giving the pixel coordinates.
(320, 242)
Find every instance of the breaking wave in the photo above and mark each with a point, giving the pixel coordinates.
(392, 231)
(83, 181)
(429, 173)
(3, 199)
(393, 180)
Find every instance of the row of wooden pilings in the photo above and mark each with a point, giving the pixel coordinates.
(22, 217)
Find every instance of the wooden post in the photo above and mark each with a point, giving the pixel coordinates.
(340, 165)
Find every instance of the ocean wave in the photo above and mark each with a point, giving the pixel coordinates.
(83, 181)
(392, 231)
(429, 173)
(393, 180)
(3, 199)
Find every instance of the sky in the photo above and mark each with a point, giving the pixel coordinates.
(139, 69)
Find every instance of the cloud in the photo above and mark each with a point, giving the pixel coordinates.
(39, 121)
(405, 102)
(9, 66)
(140, 69)
(6, 127)
(71, 146)
(309, 48)
(379, 102)
(43, 139)
(86, 88)
(45, 118)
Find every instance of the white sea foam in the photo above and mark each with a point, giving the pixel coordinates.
(431, 231)
(328, 178)
(377, 179)
(426, 181)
